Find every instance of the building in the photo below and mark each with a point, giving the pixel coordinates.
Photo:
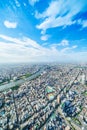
(58, 99)
(67, 128)
(50, 92)
(83, 79)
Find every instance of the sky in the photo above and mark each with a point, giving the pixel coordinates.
(43, 31)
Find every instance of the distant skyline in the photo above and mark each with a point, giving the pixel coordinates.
(43, 31)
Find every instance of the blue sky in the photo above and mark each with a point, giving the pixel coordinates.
(43, 30)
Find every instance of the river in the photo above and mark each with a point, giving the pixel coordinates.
(21, 81)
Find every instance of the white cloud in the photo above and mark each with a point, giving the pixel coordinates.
(82, 22)
(68, 49)
(32, 2)
(28, 50)
(60, 13)
(75, 46)
(23, 50)
(78, 56)
(45, 37)
(64, 43)
(10, 24)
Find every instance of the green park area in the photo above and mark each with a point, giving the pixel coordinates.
(85, 93)
(25, 76)
(15, 87)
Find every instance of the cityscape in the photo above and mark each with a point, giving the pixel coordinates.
(43, 64)
(51, 97)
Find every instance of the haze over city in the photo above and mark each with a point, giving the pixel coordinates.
(43, 31)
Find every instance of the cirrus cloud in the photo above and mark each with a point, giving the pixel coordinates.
(60, 13)
(28, 50)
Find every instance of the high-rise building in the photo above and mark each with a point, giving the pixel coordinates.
(83, 79)
(58, 99)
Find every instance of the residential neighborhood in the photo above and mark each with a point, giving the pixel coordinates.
(56, 99)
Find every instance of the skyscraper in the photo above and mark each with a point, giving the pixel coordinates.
(83, 79)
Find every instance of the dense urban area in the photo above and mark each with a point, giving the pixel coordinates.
(43, 97)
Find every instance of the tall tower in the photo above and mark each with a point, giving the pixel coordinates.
(83, 79)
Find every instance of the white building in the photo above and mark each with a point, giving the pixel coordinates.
(83, 79)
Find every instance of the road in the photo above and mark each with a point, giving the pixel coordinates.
(59, 105)
(75, 126)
